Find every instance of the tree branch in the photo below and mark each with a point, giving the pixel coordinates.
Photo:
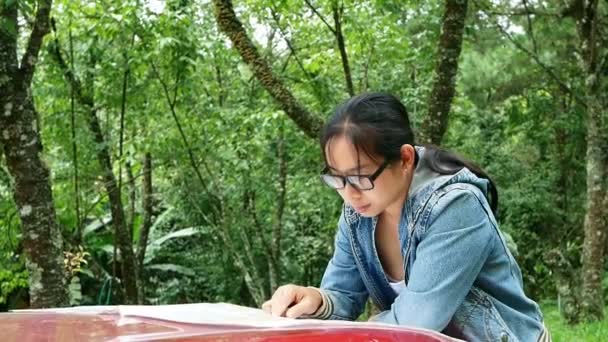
(364, 82)
(8, 53)
(314, 10)
(68, 73)
(30, 57)
(232, 27)
(563, 86)
(530, 28)
(179, 127)
(522, 12)
(317, 91)
(213, 198)
(337, 13)
(542, 65)
(289, 44)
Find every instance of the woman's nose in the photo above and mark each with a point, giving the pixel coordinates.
(351, 192)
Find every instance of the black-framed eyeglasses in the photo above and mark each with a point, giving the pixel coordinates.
(359, 182)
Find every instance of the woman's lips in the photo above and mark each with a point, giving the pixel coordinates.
(362, 208)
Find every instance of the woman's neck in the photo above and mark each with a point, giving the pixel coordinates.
(392, 213)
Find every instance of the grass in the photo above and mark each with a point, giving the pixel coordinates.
(561, 332)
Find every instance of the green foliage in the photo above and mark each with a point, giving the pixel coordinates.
(75, 291)
(508, 115)
(13, 276)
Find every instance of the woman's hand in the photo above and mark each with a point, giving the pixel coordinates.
(293, 301)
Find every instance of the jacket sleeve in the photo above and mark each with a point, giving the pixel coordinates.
(342, 289)
(451, 252)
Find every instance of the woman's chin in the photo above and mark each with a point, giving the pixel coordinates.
(367, 211)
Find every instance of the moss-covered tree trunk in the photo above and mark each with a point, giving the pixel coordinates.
(595, 228)
(228, 23)
(20, 140)
(450, 44)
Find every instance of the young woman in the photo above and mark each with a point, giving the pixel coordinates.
(417, 235)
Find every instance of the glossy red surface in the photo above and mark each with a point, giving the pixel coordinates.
(68, 327)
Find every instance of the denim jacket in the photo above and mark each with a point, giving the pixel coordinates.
(460, 276)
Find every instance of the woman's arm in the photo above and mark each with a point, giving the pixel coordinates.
(454, 246)
(343, 291)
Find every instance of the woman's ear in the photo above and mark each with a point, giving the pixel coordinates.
(408, 156)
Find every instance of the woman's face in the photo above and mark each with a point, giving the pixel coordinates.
(390, 187)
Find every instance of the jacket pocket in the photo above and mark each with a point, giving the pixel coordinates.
(477, 319)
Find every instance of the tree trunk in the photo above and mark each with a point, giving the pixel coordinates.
(20, 140)
(450, 44)
(123, 238)
(132, 198)
(78, 230)
(337, 14)
(257, 278)
(254, 285)
(144, 232)
(597, 153)
(594, 225)
(232, 27)
(567, 282)
(122, 235)
(277, 228)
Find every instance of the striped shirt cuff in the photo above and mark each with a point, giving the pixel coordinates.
(326, 309)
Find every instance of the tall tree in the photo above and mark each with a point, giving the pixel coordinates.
(594, 62)
(20, 139)
(581, 289)
(444, 83)
(124, 241)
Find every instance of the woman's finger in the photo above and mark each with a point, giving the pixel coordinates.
(266, 306)
(281, 300)
(305, 306)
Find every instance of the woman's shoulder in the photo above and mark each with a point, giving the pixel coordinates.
(456, 205)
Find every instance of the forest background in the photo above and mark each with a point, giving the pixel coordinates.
(166, 151)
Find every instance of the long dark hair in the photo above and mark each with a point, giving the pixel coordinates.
(378, 125)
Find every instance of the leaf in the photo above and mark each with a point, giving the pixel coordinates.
(116, 17)
(109, 249)
(97, 224)
(178, 233)
(155, 245)
(166, 41)
(88, 272)
(75, 290)
(173, 268)
(9, 26)
(162, 218)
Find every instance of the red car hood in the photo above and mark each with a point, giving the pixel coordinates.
(191, 322)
